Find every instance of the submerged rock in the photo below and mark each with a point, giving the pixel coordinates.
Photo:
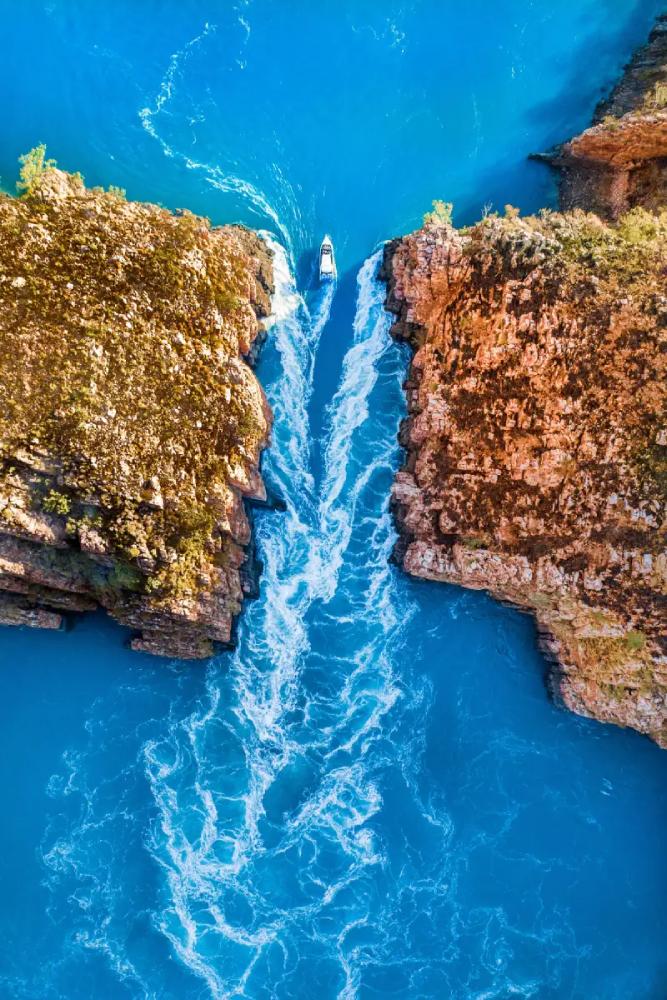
(131, 426)
(536, 441)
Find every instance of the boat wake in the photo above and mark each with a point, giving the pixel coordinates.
(233, 177)
(264, 795)
(295, 734)
(287, 838)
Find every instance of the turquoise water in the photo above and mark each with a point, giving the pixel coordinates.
(372, 797)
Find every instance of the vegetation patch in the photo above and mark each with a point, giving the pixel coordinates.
(440, 214)
(122, 331)
(56, 503)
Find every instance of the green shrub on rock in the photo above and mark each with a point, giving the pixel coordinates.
(33, 165)
(56, 503)
(440, 215)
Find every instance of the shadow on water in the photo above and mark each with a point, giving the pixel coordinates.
(571, 109)
(658, 991)
(531, 186)
(307, 278)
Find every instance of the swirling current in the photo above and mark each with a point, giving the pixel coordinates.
(372, 795)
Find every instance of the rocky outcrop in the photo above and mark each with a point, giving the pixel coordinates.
(131, 426)
(536, 437)
(621, 161)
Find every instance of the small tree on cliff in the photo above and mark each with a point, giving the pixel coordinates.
(440, 215)
(33, 165)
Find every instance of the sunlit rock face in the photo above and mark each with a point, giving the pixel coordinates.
(536, 440)
(131, 426)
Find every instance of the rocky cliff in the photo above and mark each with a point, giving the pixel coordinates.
(130, 423)
(536, 440)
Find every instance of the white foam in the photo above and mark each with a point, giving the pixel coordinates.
(348, 411)
(265, 730)
(303, 553)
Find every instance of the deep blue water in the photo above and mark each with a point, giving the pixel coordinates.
(373, 797)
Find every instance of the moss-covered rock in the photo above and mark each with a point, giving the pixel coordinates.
(130, 424)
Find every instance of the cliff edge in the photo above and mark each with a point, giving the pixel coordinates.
(131, 425)
(536, 437)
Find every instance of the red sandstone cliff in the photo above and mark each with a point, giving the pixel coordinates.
(536, 441)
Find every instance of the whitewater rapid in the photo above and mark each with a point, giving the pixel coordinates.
(297, 737)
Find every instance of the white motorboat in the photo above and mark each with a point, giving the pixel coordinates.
(327, 260)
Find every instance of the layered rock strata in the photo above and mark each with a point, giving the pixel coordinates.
(536, 437)
(130, 424)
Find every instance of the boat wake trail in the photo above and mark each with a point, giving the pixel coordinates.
(269, 788)
(347, 413)
(275, 868)
(232, 177)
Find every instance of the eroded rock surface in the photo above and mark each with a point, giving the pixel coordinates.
(130, 424)
(536, 441)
